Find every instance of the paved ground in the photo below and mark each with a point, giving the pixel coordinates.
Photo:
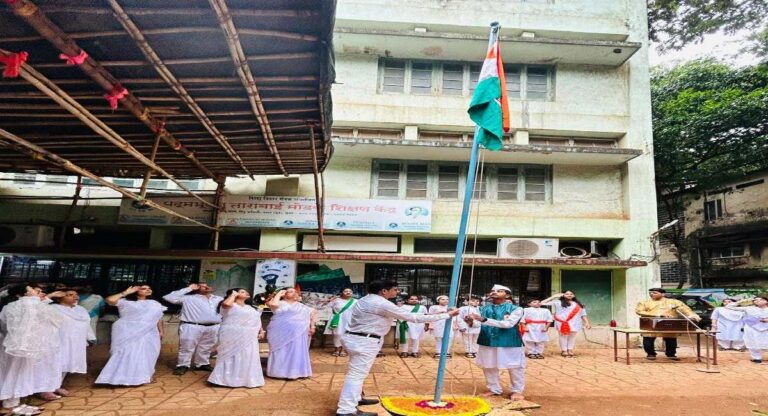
(590, 384)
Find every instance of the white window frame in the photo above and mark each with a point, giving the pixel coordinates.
(730, 249)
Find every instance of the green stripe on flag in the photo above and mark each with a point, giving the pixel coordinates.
(485, 111)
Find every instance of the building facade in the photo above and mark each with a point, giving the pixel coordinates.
(576, 172)
(726, 231)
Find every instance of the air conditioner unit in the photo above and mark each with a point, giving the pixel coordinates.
(26, 236)
(528, 248)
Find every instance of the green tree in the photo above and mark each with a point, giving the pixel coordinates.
(676, 23)
(710, 124)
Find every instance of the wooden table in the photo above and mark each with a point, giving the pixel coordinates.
(697, 332)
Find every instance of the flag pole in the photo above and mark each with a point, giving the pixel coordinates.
(462, 237)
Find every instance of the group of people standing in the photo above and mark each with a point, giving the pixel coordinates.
(739, 327)
(43, 337)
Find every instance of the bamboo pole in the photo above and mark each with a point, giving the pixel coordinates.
(246, 77)
(30, 13)
(319, 200)
(171, 31)
(216, 234)
(189, 80)
(148, 175)
(38, 153)
(140, 11)
(68, 216)
(173, 82)
(61, 97)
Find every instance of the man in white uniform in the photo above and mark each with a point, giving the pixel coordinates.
(729, 325)
(469, 334)
(535, 324)
(199, 327)
(410, 334)
(371, 319)
(500, 345)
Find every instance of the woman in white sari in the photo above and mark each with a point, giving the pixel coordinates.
(288, 333)
(135, 338)
(238, 363)
(29, 342)
(755, 326)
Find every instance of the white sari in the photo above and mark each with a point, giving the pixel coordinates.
(135, 344)
(288, 337)
(29, 340)
(238, 363)
(74, 337)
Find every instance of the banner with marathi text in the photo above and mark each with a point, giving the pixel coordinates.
(340, 214)
(390, 215)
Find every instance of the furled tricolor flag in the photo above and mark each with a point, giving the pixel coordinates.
(489, 108)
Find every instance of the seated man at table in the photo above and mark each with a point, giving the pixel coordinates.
(660, 307)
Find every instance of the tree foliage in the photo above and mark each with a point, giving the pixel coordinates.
(676, 23)
(710, 124)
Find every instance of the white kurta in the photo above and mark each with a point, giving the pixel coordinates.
(415, 331)
(502, 357)
(729, 324)
(562, 314)
(238, 363)
(537, 332)
(21, 376)
(288, 337)
(464, 311)
(336, 306)
(135, 344)
(74, 336)
(437, 328)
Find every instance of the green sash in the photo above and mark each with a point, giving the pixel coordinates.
(402, 326)
(337, 316)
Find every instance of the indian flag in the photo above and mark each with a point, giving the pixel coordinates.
(489, 108)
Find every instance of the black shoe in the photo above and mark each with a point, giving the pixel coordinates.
(180, 370)
(367, 402)
(650, 357)
(757, 361)
(673, 358)
(205, 367)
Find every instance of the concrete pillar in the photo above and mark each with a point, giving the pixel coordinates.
(278, 240)
(159, 239)
(556, 281)
(406, 244)
(411, 133)
(521, 137)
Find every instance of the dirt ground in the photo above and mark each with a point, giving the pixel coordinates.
(590, 384)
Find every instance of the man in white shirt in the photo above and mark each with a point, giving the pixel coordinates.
(199, 327)
(371, 319)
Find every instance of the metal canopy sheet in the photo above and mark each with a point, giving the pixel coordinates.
(289, 48)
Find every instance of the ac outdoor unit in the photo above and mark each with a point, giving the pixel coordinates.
(528, 248)
(26, 236)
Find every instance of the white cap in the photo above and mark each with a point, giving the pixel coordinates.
(500, 287)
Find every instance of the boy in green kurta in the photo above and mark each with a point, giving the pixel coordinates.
(500, 345)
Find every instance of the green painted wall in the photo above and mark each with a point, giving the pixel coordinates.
(594, 289)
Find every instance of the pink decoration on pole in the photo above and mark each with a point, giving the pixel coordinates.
(12, 63)
(117, 93)
(75, 60)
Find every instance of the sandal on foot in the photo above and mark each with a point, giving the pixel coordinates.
(564, 354)
(343, 354)
(403, 355)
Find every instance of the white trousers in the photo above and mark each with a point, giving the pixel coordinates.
(516, 380)
(413, 342)
(725, 344)
(535, 347)
(568, 342)
(196, 343)
(756, 354)
(362, 353)
(439, 344)
(337, 340)
(470, 342)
